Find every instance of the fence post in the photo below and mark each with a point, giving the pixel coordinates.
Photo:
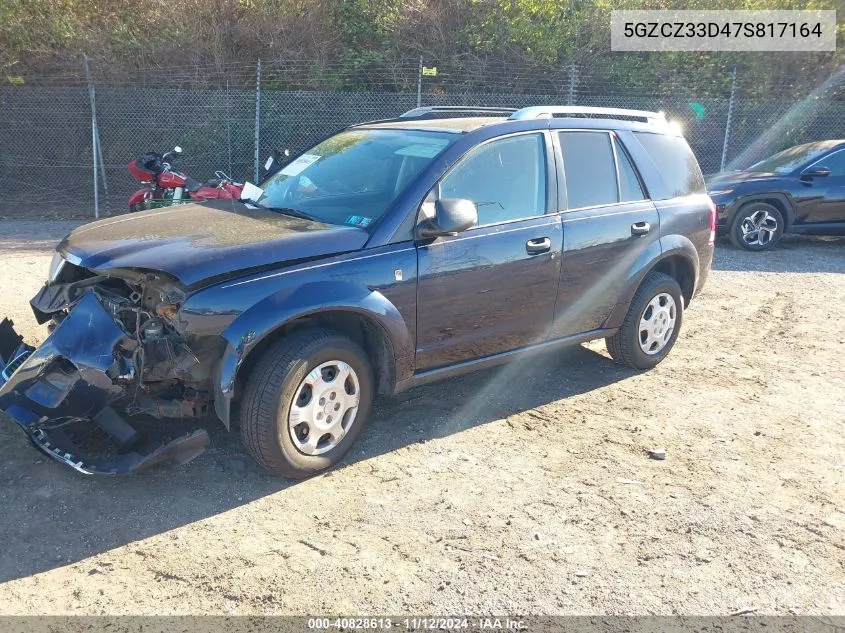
(573, 84)
(257, 119)
(102, 164)
(419, 83)
(229, 128)
(94, 136)
(728, 121)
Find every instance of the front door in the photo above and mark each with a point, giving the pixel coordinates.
(491, 288)
(826, 195)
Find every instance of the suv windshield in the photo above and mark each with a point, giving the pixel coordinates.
(353, 177)
(791, 159)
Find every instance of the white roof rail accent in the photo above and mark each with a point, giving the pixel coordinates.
(548, 112)
(428, 110)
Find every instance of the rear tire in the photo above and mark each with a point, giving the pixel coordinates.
(292, 399)
(757, 226)
(651, 325)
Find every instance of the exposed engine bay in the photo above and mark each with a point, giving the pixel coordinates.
(115, 353)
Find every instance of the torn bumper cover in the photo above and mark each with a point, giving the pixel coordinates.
(60, 394)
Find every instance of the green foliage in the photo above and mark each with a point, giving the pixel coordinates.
(462, 37)
(357, 23)
(547, 31)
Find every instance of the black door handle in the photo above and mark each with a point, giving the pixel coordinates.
(640, 228)
(538, 245)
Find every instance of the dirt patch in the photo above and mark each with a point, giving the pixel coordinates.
(527, 489)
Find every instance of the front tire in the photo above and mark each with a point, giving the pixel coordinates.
(306, 402)
(652, 324)
(757, 226)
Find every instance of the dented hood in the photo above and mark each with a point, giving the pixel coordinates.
(197, 242)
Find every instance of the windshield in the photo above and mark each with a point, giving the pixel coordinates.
(791, 159)
(353, 177)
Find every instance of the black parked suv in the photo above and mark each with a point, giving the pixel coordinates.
(391, 254)
(798, 190)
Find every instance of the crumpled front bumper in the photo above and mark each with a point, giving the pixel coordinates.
(79, 370)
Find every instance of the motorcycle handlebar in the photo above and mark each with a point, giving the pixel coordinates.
(175, 151)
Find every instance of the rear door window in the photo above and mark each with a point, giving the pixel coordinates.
(676, 163)
(630, 189)
(589, 169)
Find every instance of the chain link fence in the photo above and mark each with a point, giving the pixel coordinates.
(231, 119)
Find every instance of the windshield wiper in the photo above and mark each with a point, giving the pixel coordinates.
(293, 212)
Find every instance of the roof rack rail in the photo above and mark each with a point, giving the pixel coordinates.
(548, 112)
(432, 111)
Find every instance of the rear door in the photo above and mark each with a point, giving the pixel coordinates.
(492, 288)
(609, 225)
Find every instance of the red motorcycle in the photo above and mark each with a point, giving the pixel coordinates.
(165, 186)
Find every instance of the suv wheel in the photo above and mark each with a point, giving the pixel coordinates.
(757, 226)
(306, 402)
(651, 325)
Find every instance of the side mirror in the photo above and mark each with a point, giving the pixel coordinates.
(816, 172)
(451, 216)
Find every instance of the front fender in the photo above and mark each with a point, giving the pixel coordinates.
(254, 325)
(139, 197)
(781, 196)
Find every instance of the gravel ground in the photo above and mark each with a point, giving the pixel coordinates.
(526, 489)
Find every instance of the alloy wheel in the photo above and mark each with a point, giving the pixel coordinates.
(759, 228)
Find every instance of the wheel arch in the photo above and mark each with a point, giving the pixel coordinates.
(358, 326)
(679, 259)
(779, 201)
(681, 268)
(366, 316)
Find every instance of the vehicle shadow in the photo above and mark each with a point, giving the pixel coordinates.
(53, 517)
(794, 254)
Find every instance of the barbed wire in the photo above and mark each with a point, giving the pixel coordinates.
(401, 75)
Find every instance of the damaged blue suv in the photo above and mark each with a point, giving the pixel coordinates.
(392, 254)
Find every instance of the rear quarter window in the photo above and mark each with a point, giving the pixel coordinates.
(676, 163)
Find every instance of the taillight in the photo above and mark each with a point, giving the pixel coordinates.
(712, 239)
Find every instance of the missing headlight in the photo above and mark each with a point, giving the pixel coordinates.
(56, 265)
